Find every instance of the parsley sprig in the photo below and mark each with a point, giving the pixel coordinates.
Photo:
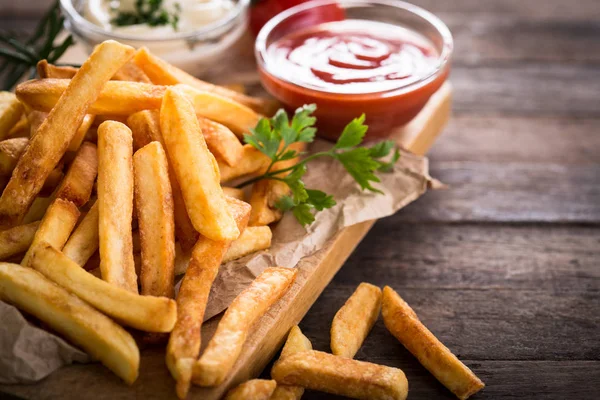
(274, 136)
(149, 12)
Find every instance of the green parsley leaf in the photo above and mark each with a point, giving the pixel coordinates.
(353, 134)
(361, 166)
(303, 214)
(319, 199)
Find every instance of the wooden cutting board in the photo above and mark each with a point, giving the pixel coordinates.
(314, 273)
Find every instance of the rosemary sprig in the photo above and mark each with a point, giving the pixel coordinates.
(21, 57)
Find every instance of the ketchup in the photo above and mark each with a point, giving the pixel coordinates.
(350, 67)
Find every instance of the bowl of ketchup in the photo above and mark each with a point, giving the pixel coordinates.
(383, 58)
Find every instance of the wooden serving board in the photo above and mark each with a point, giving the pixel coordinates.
(314, 274)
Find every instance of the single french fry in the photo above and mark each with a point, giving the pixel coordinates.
(11, 111)
(221, 141)
(184, 342)
(195, 168)
(266, 193)
(17, 240)
(403, 323)
(84, 240)
(147, 313)
(255, 389)
(251, 162)
(154, 204)
(131, 72)
(79, 180)
(353, 322)
(65, 313)
(117, 98)
(81, 133)
(115, 205)
(47, 70)
(55, 228)
(99, 119)
(296, 342)
(253, 239)
(343, 376)
(20, 129)
(38, 209)
(234, 192)
(248, 307)
(161, 72)
(237, 117)
(10, 152)
(54, 135)
(145, 128)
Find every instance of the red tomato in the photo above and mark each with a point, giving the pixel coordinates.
(261, 11)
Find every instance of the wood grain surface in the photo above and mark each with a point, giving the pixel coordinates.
(504, 265)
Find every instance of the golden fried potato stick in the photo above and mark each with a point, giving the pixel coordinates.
(237, 87)
(131, 72)
(115, 205)
(221, 141)
(11, 111)
(234, 192)
(54, 135)
(20, 129)
(146, 313)
(81, 133)
(251, 162)
(403, 323)
(296, 342)
(253, 239)
(154, 204)
(65, 313)
(46, 70)
(17, 240)
(79, 180)
(84, 240)
(266, 193)
(10, 152)
(195, 168)
(163, 73)
(57, 225)
(353, 322)
(255, 389)
(343, 376)
(226, 345)
(184, 342)
(145, 128)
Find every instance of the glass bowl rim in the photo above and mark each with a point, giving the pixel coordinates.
(261, 55)
(241, 6)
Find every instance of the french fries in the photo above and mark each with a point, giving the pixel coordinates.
(353, 322)
(154, 204)
(11, 111)
(253, 239)
(20, 129)
(266, 193)
(54, 135)
(221, 141)
(343, 376)
(226, 345)
(59, 221)
(296, 342)
(17, 240)
(131, 72)
(64, 312)
(255, 389)
(195, 168)
(47, 70)
(79, 180)
(115, 205)
(234, 192)
(35, 119)
(147, 313)
(84, 240)
(403, 323)
(81, 132)
(250, 163)
(163, 73)
(10, 152)
(145, 128)
(184, 343)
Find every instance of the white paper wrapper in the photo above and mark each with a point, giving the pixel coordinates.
(28, 354)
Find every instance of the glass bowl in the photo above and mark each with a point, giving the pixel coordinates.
(385, 110)
(192, 51)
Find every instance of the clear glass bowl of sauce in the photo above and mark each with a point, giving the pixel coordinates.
(383, 58)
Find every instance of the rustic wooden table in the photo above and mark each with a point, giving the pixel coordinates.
(504, 267)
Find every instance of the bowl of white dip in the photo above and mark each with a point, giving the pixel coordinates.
(191, 34)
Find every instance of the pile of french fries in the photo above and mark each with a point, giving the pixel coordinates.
(114, 181)
(300, 367)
